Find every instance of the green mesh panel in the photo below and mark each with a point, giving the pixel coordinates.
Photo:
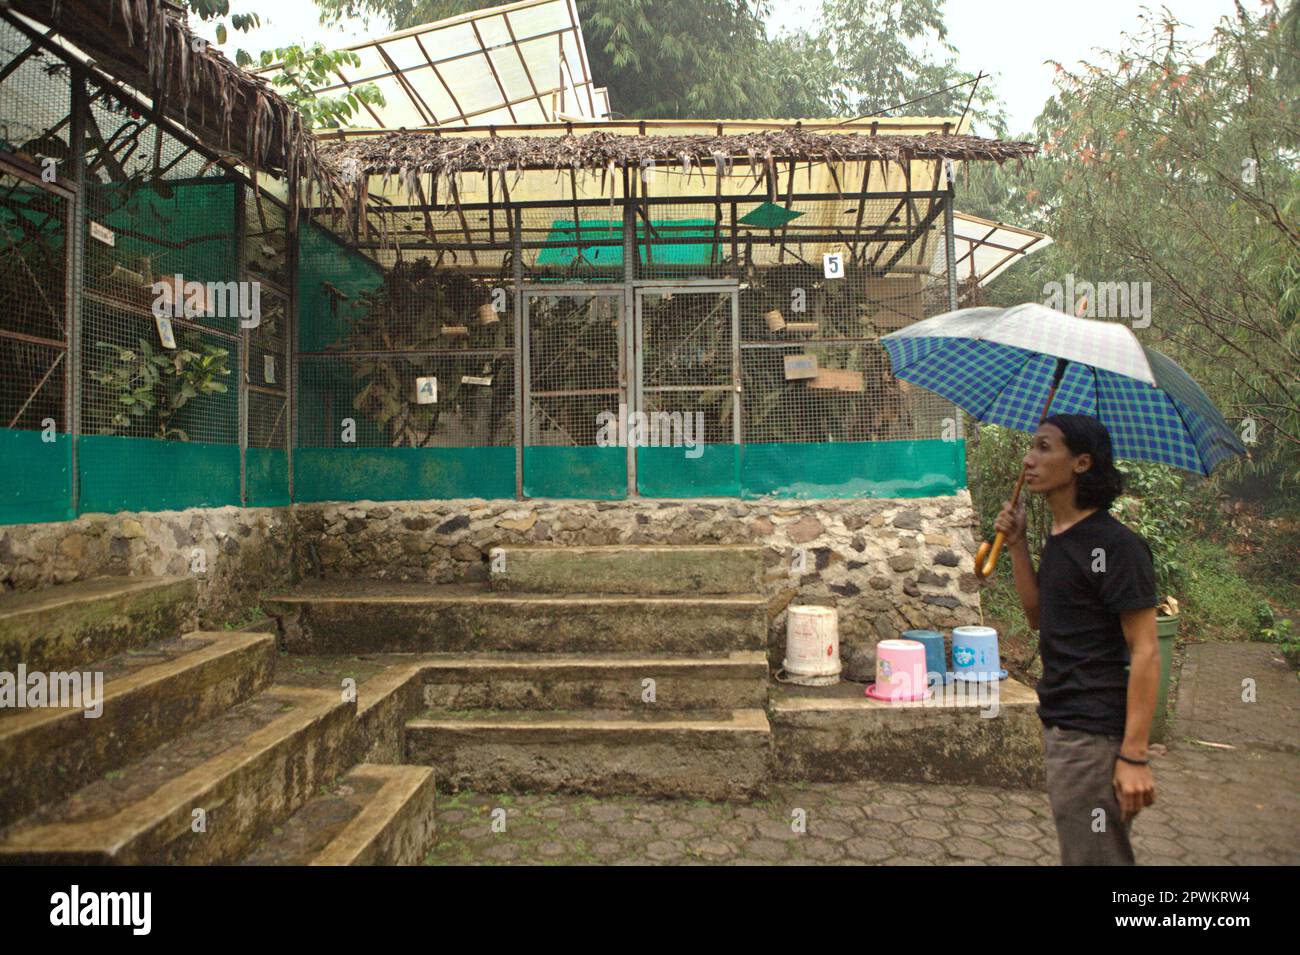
(266, 477)
(575, 472)
(854, 469)
(38, 484)
(402, 474)
(141, 474)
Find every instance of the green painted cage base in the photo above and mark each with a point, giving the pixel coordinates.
(402, 474)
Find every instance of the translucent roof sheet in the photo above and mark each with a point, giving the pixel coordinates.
(986, 249)
(520, 63)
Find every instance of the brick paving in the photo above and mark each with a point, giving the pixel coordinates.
(1215, 806)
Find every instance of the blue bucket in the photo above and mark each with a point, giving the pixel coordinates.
(975, 654)
(936, 659)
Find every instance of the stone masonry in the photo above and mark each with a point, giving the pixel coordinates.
(888, 565)
(234, 553)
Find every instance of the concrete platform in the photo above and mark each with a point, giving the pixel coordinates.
(149, 696)
(629, 569)
(965, 736)
(378, 616)
(247, 770)
(67, 626)
(376, 815)
(707, 756)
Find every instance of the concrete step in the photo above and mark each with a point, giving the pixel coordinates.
(376, 815)
(202, 798)
(546, 681)
(362, 616)
(630, 569)
(70, 625)
(966, 734)
(708, 756)
(148, 697)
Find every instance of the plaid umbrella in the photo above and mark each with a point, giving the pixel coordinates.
(1003, 366)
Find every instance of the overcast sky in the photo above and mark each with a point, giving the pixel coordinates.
(1007, 38)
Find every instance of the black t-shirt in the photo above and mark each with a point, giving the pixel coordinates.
(1087, 575)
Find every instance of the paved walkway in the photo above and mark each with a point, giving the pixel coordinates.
(1215, 805)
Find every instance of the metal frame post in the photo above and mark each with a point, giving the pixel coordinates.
(631, 358)
(950, 257)
(74, 278)
(245, 338)
(521, 325)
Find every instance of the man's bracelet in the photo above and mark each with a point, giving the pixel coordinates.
(1133, 762)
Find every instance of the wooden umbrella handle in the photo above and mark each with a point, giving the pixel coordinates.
(986, 558)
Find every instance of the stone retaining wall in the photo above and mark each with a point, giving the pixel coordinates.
(889, 565)
(244, 552)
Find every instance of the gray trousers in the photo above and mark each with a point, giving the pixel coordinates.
(1080, 769)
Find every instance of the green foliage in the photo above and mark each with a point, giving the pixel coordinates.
(143, 390)
(1218, 602)
(1269, 628)
(866, 56)
(302, 69)
(1156, 505)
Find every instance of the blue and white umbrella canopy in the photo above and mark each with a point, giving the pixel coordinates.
(998, 364)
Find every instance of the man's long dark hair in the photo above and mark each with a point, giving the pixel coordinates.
(1102, 483)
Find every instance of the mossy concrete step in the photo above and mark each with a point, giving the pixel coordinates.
(553, 681)
(965, 734)
(708, 756)
(149, 696)
(630, 569)
(375, 815)
(70, 625)
(362, 616)
(202, 798)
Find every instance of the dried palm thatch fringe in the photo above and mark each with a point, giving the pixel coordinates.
(186, 81)
(406, 154)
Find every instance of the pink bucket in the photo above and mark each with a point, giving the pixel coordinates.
(900, 672)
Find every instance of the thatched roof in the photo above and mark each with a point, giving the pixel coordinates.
(415, 152)
(147, 45)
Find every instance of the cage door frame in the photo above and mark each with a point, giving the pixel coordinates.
(730, 289)
(531, 290)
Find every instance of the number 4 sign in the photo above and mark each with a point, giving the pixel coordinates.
(426, 391)
(833, 265)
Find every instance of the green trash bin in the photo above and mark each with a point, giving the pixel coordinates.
(1166, 631)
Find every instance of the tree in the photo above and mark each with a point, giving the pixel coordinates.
(667, 59)
(871, 56)
(1178, 166)
(302, 69)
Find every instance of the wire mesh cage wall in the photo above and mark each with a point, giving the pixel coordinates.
(35, 363)
(266, 256)
(711, 316)
(160, 404)
(408, 364)
(151, 319)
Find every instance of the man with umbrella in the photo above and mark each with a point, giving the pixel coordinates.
(1093, 602)
(1093, 595)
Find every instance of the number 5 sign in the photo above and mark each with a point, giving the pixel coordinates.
(833, 265)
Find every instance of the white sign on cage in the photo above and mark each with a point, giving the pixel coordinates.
(426, 391)
(833, 265)
(165, 333)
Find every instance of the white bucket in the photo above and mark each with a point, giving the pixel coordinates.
(812, 646)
